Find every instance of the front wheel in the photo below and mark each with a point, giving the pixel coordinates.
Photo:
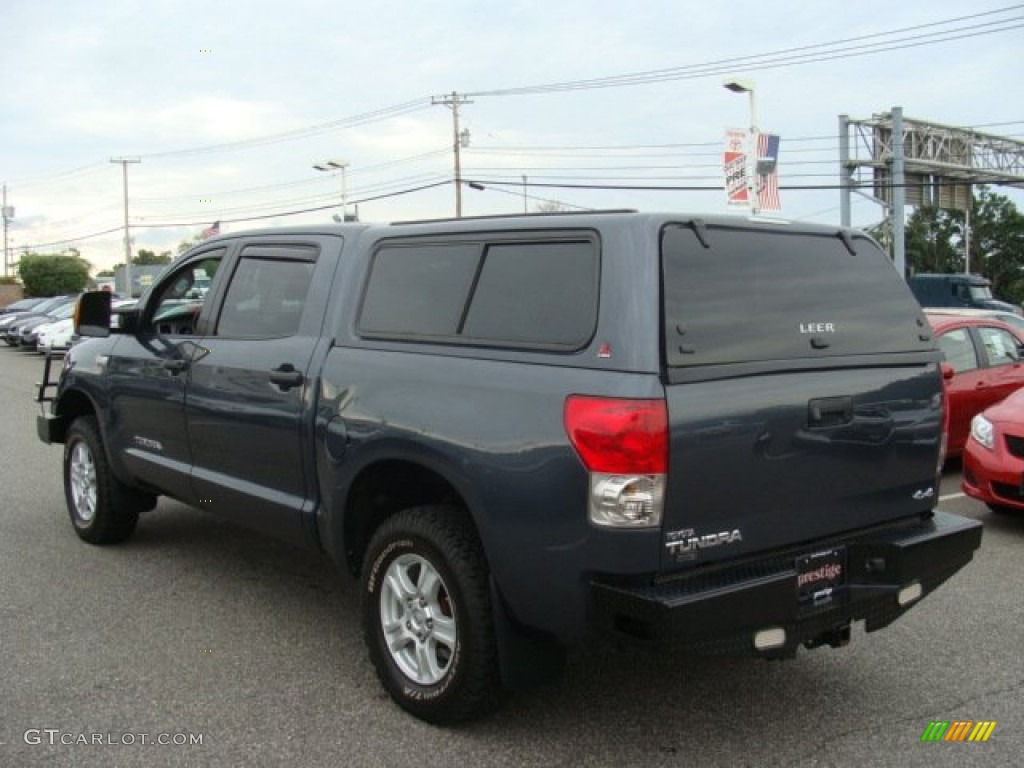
(103, 510)
(427, 615)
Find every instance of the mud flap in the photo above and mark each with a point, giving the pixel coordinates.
(526, 659)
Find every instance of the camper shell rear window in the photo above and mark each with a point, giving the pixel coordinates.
(742, 295)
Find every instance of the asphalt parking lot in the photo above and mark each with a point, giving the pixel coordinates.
(195, 628)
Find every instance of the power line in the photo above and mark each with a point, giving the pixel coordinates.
(377, 115)
(712, 188)
(848, 47)
(308, 181)
(205, 221)
(784, 57)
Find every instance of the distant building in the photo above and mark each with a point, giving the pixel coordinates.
(142, 278)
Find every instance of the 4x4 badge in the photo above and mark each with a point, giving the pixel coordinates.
(926, 493)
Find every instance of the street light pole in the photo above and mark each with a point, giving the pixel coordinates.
(127, 236)
(338, 165)
(747, 86)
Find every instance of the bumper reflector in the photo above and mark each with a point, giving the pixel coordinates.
(909, 594)
(767, 639)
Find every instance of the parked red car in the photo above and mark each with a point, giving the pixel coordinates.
(988, 365)
(994, 456)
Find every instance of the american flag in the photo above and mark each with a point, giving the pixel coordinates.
(211, 231)
(768, 184)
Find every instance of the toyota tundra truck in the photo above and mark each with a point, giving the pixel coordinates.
(519, 434)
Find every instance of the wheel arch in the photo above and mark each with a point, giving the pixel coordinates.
(76, 402)
(387, 485)
(73, 404)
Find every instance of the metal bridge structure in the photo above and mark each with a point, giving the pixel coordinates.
(904, 161)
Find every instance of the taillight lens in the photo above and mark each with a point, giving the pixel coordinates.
(623, 443)
(617, 435)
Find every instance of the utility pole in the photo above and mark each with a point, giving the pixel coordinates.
(525, 209)
(454, 101)
(8, 214)
(127, 237)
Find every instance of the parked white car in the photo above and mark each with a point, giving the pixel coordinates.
(55, 337)
(59, 336)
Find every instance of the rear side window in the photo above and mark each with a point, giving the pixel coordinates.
(738, 295)
(517, 294)
(419, 290)
(958, 349)
(1001, 347)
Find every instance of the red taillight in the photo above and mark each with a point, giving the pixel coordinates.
(619, 436)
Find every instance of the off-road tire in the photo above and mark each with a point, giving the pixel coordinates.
(103, 510)
(425, 577)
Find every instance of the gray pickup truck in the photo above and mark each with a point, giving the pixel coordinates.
(522, 433)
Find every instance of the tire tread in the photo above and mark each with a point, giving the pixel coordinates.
(117, 505)
(449, 530)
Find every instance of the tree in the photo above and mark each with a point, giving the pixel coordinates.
(936, 242)
(997, 243)
(105, 273)
(147, 257)
(929, 236)
(52, 275)
(184, 245)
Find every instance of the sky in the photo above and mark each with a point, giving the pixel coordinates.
(228, 105)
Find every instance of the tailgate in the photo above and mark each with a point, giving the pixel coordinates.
(803, 389)
(760, 462)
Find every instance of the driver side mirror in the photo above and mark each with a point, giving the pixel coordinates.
(947, 371)
(92, 314)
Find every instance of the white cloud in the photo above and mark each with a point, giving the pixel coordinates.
(203, 119)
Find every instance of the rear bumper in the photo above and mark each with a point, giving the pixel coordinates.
(723, 608)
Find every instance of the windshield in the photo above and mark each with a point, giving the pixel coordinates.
(49, 304)
(980, 292)
(23, 304)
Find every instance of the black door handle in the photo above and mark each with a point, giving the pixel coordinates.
(830, 411)
(286, 377)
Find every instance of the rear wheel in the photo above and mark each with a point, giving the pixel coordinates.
(103, 509)
(427, 615)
